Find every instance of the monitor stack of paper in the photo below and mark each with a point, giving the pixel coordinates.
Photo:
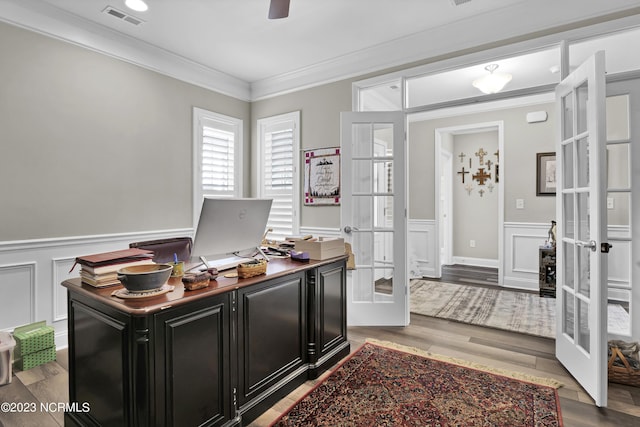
(101, 270)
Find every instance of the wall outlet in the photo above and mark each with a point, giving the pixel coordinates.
(519, 203)
(472, 243)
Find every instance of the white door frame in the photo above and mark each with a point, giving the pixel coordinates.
(446, 237)
(469, 128)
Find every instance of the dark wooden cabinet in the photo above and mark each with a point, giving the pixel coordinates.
(327, 315)
(271, 341)
(192, 356)
(219, 356)
(547, 275)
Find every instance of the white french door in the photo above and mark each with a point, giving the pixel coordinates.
(374, 218)
(581, 307)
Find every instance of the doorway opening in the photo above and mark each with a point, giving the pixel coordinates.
(470, 197)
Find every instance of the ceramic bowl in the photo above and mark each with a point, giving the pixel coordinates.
(147, 277)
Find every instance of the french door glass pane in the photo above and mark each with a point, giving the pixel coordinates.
(583, 325)
(362, 249)
(361, 176)
(383, 248)
(362, 212)
(583, 217)
(568, 266)
(617, 117)
(363, 293)
(582, 93)
(383, 134)
(383, 283)
(361, 140)
(618, 315)
(567, 116)
(567, 150)
(383, 214)
(383, 177)
(568, 313)
(582, 163)
(584, 278)
(618, 175)
(569, 225)
(619, 213)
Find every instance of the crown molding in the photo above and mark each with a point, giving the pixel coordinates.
(50, 21)
(453, 38)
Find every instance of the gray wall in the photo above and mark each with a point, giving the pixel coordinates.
(517, 163)
(94, 145)
(475, 215)
(320, 109)
(87, 140)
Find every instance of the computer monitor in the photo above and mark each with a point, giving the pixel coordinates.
(228, 226)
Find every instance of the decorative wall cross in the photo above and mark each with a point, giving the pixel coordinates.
(489, 165)
(481, 191)
(481, 176)
(469, 188)
(497, 154)
(463, 173)
(462, 156)
(490, 186)
(480, 154)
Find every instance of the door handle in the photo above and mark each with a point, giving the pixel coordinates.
(591, 245)
(348, 229)
(604, 247)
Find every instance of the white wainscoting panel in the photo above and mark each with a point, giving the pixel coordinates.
(521, 244)
(18, 299)
(420, 248)
(31, 273)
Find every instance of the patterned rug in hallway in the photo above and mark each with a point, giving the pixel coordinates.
(502, 309)
(385, 384)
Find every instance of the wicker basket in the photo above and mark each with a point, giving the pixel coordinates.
(252, 268)
(619, 374)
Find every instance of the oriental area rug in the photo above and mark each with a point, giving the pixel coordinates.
(385, 384)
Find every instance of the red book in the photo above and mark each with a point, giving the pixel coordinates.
(114, 257)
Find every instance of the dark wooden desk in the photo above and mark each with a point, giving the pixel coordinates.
(221, 355)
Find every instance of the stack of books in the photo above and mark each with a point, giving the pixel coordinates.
(101, 270)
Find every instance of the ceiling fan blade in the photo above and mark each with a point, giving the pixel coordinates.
(278, 9)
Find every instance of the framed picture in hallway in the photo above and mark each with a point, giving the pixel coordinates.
(546, 174)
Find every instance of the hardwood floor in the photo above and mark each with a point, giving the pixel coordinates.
(492, 347)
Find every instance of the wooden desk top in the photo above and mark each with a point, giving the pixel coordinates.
(277, 267)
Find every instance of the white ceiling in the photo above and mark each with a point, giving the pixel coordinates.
(232, 44)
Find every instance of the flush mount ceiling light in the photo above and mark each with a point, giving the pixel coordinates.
(492, 82)
(137, 5)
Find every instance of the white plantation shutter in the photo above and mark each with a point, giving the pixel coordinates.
(278, 176)
(218, 169)
(217, 148)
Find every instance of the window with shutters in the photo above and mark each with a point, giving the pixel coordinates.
(218, 157)
(278, 178)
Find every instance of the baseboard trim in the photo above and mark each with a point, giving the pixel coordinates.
(476, 262)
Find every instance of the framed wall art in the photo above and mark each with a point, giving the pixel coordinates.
(322, 177)
(545, 174)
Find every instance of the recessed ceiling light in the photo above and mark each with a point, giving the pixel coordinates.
(137, 5)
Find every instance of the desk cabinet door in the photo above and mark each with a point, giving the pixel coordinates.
(271, 334)
(331, 323)
(192, 364)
